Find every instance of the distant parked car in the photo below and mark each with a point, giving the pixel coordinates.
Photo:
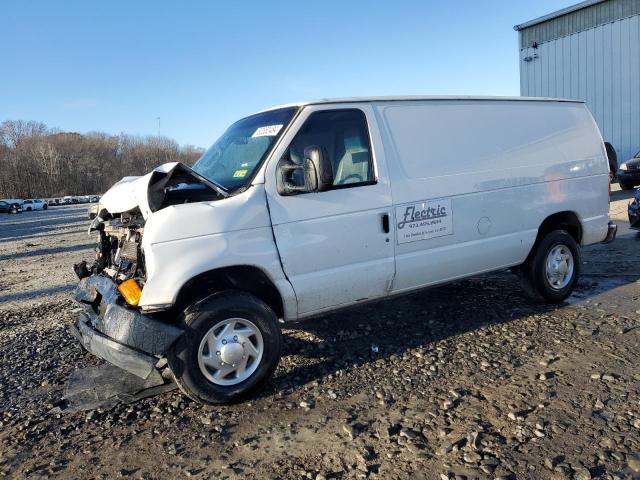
(34, 204)
(634, 211)
(629, 173)
(6, 207)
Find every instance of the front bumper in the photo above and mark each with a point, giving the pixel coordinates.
(118, 334)
(626, 176)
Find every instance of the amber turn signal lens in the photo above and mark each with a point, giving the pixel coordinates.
(131, 292)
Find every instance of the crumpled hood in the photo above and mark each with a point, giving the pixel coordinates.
(146, 192)
(125, 195)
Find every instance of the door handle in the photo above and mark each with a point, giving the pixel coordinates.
(385, 222)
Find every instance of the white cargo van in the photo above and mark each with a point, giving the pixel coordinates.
(307, 208)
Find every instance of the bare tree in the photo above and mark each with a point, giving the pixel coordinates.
(39, 162)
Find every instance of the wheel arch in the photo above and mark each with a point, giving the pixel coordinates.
(245, 278)
(567, 220)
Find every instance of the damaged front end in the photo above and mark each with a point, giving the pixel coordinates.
(120, 335)
(111, 326)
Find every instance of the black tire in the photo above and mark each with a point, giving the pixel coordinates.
(28, 209)
(626, 186)
(533, 277)
(45, 206)
(198, 319)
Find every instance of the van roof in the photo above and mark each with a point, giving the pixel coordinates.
(408, 98)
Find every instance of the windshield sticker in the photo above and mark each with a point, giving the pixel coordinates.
(267, 131)
(240, 173)
(424, 220)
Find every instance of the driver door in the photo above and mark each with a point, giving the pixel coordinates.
(335, 246)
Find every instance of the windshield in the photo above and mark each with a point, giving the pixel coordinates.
(233, 159)
(637, 155)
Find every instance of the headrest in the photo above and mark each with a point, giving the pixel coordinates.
(353, 140)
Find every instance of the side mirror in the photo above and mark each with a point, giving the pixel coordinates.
(316, 170)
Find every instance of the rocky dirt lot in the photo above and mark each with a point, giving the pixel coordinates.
(468, 380)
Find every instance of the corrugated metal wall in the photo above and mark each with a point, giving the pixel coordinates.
(601, 66)
(578, 21)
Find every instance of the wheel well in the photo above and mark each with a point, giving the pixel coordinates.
(561, 221)
(244, 278)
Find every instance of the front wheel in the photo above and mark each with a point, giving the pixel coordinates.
(230, 348)
(552, 269)
(626, 186)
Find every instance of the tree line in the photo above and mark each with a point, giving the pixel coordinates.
(36, 161)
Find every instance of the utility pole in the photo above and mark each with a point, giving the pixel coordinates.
(158, 118)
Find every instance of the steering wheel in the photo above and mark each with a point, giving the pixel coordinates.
(353, 178)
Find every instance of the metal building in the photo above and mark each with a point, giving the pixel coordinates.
(591, 52)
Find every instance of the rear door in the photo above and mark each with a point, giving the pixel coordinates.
(336, 246)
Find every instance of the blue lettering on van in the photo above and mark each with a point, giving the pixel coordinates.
(428, 213)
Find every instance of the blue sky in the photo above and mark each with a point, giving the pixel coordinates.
(116, 66)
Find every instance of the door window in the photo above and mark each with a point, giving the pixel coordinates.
(343, 134)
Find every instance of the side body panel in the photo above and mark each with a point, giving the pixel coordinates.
(498, 169)
(332, 244)
(182, 241)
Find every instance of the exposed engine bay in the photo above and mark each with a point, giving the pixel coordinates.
(121, 225)
(118, 254)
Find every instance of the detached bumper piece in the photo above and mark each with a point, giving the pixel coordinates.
(137, 363)
(611, 233)
(120, 335)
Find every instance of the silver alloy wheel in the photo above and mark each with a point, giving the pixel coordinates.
(230, 351)
(559, 267)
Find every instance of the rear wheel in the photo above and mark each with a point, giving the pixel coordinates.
(552, 269)
(231, 347)
(626, 186)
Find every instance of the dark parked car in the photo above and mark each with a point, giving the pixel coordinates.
(6, 207)
(629, 173)
(634, 211)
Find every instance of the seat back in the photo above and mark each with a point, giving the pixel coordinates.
(354, 165)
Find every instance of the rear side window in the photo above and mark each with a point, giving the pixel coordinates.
(345, 137)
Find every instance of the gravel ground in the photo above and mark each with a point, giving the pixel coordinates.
(468, 380)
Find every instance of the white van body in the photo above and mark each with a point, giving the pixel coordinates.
(501, 166)
(460, 186)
